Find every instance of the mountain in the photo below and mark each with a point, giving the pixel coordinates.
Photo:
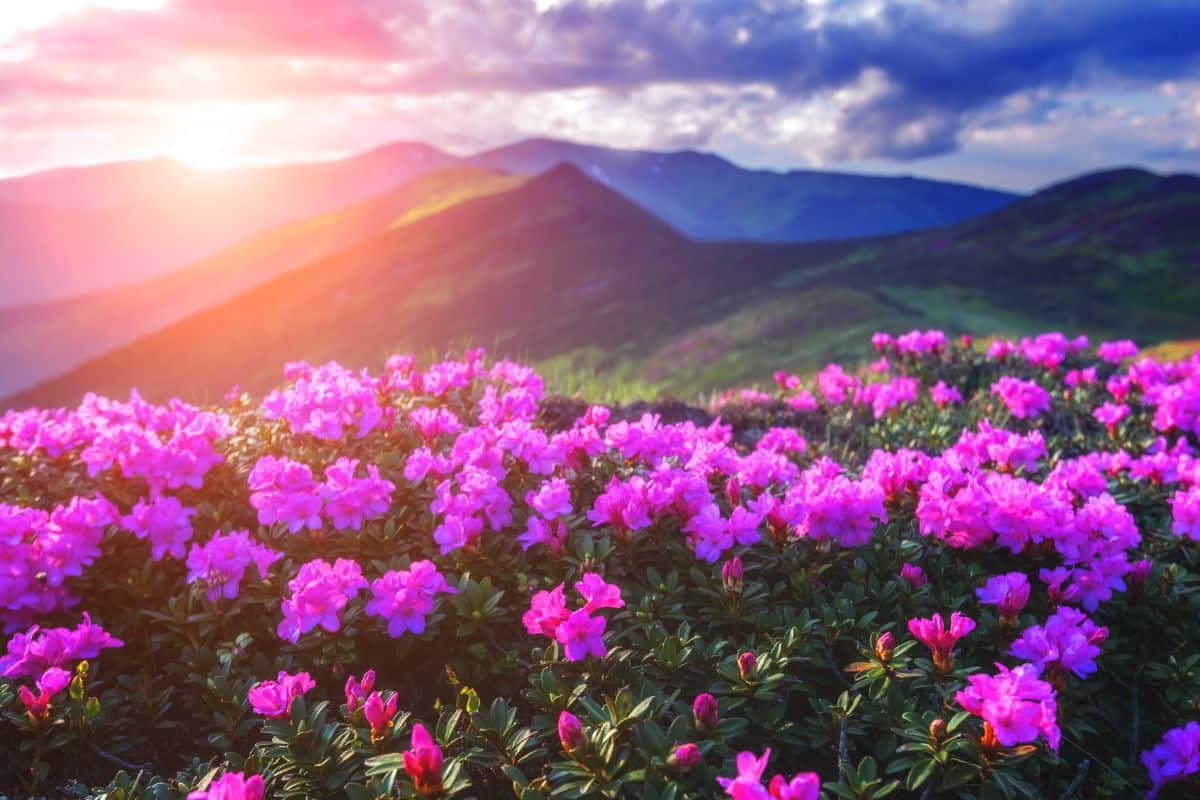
(72, 231)
(706, 197)
(40, 340)
(67, 232)
(569, 274)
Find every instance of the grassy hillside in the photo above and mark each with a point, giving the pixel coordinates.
(42, 340)
(565, 272)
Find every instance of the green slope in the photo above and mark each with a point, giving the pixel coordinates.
(564, 272)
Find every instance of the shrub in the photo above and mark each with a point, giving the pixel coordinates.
(955, 573)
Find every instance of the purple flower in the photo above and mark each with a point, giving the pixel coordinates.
(1175, 758)
(1008, 592)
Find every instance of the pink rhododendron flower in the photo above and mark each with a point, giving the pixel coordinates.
(319, 592)
(1019, 707)
(32, 653)
(552, 500)
(582, 635)
(1008, 593)
(747, 785)
(598, 594)
(165, 521)
(358, 690)
(1110, 415)
(1024, 399)
(351, 501)
(1185, 512)
(944, 395)
(705, 712)
(940, 640)
(1118, 351)
(221, 562)
(380, 713)
(274, 698)
(1069, 642)
(405, 598)
(284, 491)
(232, 786)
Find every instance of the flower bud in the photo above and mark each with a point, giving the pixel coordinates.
(570, 732)
(684, 757)
(705, 712)
(884, 646)
(1138, 575)
(733, 492)
(731, 575)
(937, 730)
(748, 666)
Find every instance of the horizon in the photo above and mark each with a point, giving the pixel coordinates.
(466, 153)
(1008, 95)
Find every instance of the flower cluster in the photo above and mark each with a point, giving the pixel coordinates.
(405, 598)
(319, 592)
(326, 401)
(579, 632)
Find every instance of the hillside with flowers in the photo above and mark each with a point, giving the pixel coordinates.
(961, 570)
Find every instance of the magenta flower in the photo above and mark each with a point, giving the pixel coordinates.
(731, 575)
(222, 561)
(1175, 758)
(598, 594)
(913, 575)
(582, 635)
(803, 786)
(1018, 706)
(283, 491)
(37, 650)
(351, 501)
(932, 632)
(1069, 642)
(319, 592)
(1185, 512)
(747, 664)
(944, 395)
(1110, 415)
(405, 598)
(379, 714)
(273, 699)
(357, 691)
(552, 500)
(232, 786)
(1024, 399)
(423, 762)
(165, 522)
(1008, 592)
(547, 610)
(747, 785)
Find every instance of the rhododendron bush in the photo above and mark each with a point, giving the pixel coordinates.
(959, 571)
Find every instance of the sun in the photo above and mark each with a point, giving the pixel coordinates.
(208, 136)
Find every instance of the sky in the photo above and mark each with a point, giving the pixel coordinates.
(1009, 93)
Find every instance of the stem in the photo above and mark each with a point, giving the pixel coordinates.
(843, 758)
(1077, 781)
(120, 762)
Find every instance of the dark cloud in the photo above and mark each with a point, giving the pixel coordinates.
(912, 75)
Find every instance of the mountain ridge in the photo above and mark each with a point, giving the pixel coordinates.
(564, 270)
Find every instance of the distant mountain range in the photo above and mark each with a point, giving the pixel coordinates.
(564, 270)
(706, 197)
(69, 232)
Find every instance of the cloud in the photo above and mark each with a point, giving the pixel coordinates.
(830, 81)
